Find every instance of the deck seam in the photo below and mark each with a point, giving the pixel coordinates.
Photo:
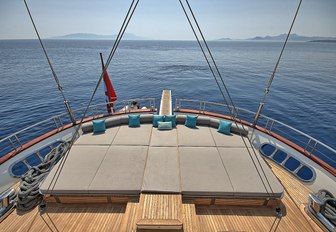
(222, 160)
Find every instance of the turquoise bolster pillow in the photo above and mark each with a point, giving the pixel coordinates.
(98, 126)
(191, 121)
(224, 127)
(171, 118)
(165, 125)
(156, 119)
(134, 120)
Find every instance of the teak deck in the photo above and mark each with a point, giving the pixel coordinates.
(169, 212)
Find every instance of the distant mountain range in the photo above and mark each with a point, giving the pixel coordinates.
(292, 37)
(90, 36)
(130, 36)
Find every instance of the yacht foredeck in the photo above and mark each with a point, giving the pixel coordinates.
(135, 179)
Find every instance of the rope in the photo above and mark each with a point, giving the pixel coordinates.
(328, 209)
(223, 95)
(115, 45)
(50, 65)
(29, 193)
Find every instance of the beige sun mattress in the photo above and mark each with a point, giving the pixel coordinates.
(194, 162)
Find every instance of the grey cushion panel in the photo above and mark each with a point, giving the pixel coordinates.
(244, 177)
(133, 136)
(198, 137)
(214, 123)
(146, 118)
(233, 140)
(121, 171)
(202, 172)
(162, 170)
(98, 139)
(109, 122)
(163, 138)
(78, 170)
(113, 121)
(239, 129)
(124, 119)
(203, 121)
(87, 127)
(180, 119)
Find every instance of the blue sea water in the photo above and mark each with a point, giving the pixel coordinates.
(303, 94)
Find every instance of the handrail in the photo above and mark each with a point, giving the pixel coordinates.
(16, 140)
(249, 115)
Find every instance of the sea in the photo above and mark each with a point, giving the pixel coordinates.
(303, 93)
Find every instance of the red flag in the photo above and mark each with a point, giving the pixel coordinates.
(110, 95)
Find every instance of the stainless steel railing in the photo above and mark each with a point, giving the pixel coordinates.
(310, 145)
(16, 141)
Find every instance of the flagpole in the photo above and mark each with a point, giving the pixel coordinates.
(108, 104)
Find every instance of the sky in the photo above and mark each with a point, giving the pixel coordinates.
(164, 19)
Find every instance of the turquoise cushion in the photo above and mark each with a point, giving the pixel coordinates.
(165, 125)
(134, 120)
(156, 119)
(99, 126)
(224, 127)
(191, 120)
(171, 118)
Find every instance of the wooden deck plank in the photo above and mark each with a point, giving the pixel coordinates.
(67, 218)
(159, 211)
(128, 222)
(190, 221)
(166, 107)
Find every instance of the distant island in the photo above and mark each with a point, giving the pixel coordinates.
(324, 41)
(292, 37)
(225, 39)
(90, 36)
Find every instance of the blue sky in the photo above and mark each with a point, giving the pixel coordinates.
(164, 19)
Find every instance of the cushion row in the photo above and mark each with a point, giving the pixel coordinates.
(180, 119)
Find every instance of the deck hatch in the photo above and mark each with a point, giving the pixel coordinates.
(267, 149)
(292, 164)
(33, 160)
(279, 156)
(305, 173)
(287, 161)
(19, 168)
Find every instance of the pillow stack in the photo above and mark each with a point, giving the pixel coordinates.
(164, 122)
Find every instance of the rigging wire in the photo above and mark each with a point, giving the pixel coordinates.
(115, 45)
(51, 66)
(262, 103)
(233, 115)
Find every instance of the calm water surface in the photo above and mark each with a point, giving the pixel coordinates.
(303, 94)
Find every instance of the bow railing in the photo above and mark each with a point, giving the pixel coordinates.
(16, 141)
(310, 145)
